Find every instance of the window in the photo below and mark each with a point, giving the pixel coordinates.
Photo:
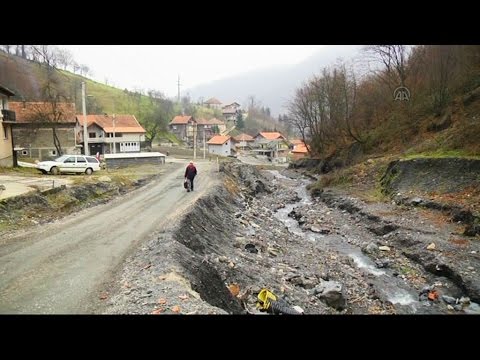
(24, 152)
(174, 127)
(81, 159)
(70, 160)
(92, 135)
(5, 132)
(91, 159)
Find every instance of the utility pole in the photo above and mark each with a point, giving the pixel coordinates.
(178, 84)
(204, 141)
(114, 144)
(195, 141)
(85, 130)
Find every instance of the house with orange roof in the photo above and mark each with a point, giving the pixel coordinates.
(220, 145)
(243, 141)
(112, 134)
(272, 144)
(7, 119)
(39, 125)
(299, 150)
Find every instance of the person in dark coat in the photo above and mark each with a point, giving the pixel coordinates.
(190, 173)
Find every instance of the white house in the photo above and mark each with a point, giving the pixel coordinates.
(220, 145)
(112, 134)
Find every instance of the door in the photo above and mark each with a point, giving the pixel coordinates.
(68, 165)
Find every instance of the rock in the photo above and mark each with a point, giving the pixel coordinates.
(472, 308)
(472, 230)
(426, 289)
(331, 293)
(382, 263)
(371, 248)
(384, 248)
(450, 307)
(449, 299)
(464, 216)
(471, 268)
(416, 201)
(231, 265)
(431, 246)
(464, 300)
(458, 307)
(251, 248)
(298, 309)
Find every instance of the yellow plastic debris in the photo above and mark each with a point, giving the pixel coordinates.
(264, 299)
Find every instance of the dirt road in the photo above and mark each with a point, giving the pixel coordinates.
(62, 267)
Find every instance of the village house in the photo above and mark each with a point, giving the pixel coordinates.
(299, 149)
(220, 145)
(213, 103)
(112, 134)
(39, 125)
(7, 119)
(243, 142)
(209, 127)
(272, 144)
(231, 111)
(182, 126)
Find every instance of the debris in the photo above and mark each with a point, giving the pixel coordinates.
(176, 309)
(298, 309)
(384, 248)
(183, 297)
(103, 296)
(234, 289)
(431, 246)
(433, 295)
(231, 265)
(162, 301)
(157, 311)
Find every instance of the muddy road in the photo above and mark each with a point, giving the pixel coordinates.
(62, 267)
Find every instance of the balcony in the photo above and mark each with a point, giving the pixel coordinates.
(8, 115)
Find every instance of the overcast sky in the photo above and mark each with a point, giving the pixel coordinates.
(157, 66)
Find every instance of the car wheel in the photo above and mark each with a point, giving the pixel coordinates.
(54, 170)
(89, 171)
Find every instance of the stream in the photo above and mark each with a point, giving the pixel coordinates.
(387, 286)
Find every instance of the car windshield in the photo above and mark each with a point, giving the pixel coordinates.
(61, 158)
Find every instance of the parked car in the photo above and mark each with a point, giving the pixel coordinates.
(69, 164)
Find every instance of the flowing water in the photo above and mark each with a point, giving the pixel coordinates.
(387, 286)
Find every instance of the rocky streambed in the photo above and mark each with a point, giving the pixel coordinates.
(331, 254)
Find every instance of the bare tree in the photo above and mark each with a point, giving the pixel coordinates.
(46, 54)
(65, 58)
(394, 59)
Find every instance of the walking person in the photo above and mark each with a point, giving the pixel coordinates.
(190, 173)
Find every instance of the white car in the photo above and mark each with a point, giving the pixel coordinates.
(69, 164)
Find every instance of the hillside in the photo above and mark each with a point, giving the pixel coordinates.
(27, 78)
(272, 86)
